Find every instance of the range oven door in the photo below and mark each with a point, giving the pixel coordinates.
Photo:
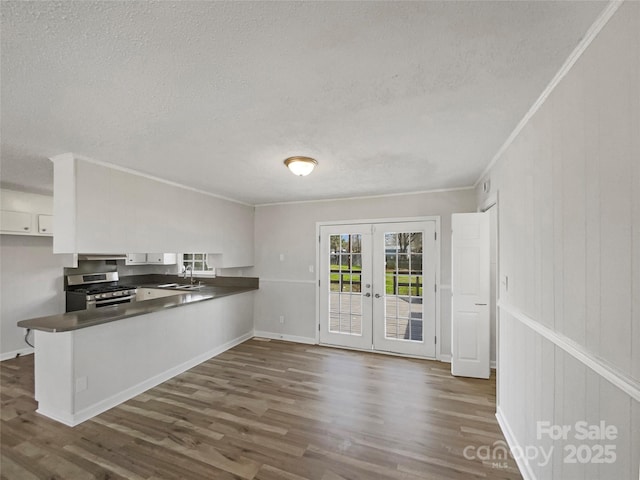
(107, 302)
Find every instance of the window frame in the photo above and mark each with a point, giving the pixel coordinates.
(205, 260)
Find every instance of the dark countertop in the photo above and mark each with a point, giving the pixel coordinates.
(66, 322)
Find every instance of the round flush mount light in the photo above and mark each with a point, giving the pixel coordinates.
(301, 166)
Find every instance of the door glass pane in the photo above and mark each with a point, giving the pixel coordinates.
(345, 274)
(390, 262)
(415, 243)
(391, 241)
(391, 327)
(404, 286)
(356, 243)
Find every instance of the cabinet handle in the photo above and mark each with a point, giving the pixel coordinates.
(26, 228)
(44, 229)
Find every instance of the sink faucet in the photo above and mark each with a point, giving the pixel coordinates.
(188, 267)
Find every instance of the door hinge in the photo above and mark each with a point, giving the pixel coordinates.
(435, 288)
(319, 238)
(435, 339)
(435, 235)
(318, 327)
(318, 282)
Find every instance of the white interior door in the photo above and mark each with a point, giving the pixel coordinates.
(377, 287)
(404, 303)
(345, 285)
(470, 284)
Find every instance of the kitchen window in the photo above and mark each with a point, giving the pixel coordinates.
(198, 262)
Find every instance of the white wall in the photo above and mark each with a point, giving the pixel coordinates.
(288, 287)
(569, 219)
(32, 286)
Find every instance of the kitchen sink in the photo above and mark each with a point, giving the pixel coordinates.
(178, 286)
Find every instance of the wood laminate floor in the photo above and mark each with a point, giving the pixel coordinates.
(267, 410)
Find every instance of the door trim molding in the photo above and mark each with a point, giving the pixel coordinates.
(438, 249)
(429, 218)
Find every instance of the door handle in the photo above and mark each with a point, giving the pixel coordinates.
(481, 304)
(377, 295)
(367, 294)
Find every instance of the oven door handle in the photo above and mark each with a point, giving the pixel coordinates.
(102, 301)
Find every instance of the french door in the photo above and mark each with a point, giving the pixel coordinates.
(377, 286)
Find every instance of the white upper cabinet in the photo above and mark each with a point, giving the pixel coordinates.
(99, 208)
(15, 222)
(136, 259)
(151, 258)
(45, 224)
(162, 258)
(26, 213)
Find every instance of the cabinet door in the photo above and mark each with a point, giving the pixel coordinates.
(162, 258)
(136, 259)
(154, 258)
(45, 224)
(17, 222)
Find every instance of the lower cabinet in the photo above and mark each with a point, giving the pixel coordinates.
(151, 293)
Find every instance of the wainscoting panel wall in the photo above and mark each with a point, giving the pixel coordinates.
(568, 186)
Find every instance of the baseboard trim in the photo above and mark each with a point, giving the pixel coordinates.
(285, 337)
(16, 353)
(625, 383)
(287, 280)
(129, 393)
(447, 359)
(523, 465)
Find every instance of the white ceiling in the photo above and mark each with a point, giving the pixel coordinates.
(390, 97)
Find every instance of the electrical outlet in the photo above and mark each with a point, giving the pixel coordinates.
(282, 257)
(310, 268)
(281, 318)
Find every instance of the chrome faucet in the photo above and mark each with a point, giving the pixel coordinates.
(188, 267)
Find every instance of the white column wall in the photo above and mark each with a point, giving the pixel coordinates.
(99, 208)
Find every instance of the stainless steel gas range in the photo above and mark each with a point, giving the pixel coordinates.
(97, 290)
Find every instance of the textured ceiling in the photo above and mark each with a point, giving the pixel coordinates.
(390, 97)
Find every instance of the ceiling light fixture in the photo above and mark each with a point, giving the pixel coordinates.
(301, 166)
